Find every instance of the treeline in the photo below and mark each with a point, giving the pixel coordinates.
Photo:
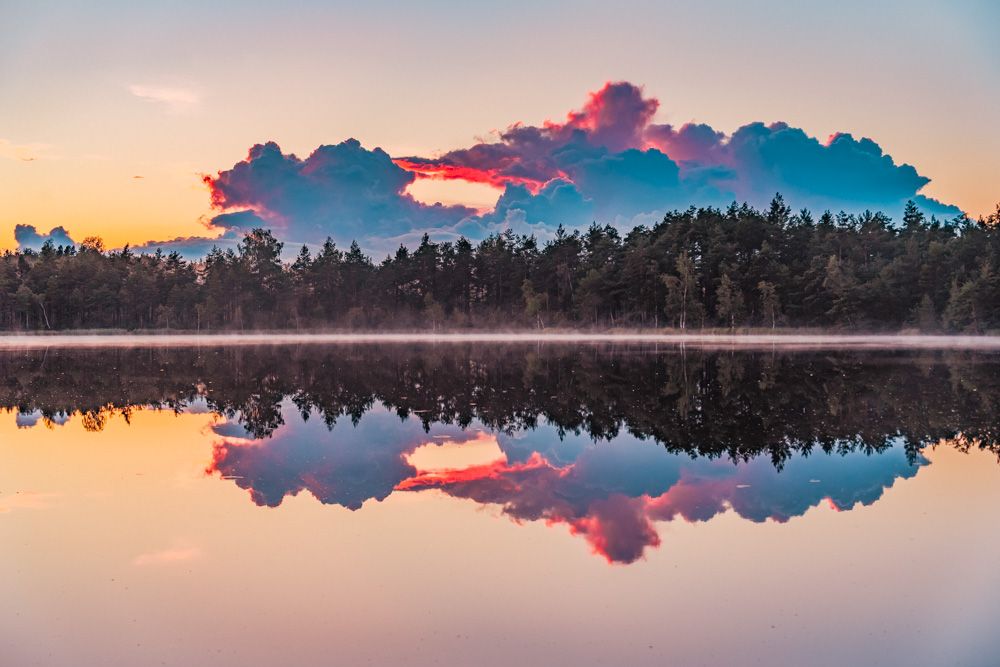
(699, 268)
(699, 403)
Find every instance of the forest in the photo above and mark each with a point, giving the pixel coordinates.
(703, 404)
(702, 268)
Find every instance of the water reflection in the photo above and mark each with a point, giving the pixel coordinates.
(605, 441)
(608, 492)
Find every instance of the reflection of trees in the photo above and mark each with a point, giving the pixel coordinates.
(734, 404)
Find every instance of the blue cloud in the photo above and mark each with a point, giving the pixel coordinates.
(345, 191)
(29, 238)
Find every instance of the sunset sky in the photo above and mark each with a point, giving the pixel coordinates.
(111, 115)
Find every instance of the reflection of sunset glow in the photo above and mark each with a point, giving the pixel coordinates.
(495, 470)
(620, 526)
(138, 533)
(496, 505)
(91, 420)
(612, 494)
(448, 454)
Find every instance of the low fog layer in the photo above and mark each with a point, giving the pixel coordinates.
(705, 341)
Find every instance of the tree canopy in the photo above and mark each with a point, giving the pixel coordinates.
(703, 267)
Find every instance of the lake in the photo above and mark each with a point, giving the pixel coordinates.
(490, 502)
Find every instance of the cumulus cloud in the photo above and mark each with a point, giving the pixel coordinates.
(174, 99)
(343, 190)
(613, 118)
(607, 162)
(29, 238)
(190, 247)
(197, 247)
(758, 160)
(620, 164)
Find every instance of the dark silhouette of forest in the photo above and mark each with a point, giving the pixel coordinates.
(736, 405)
(700, 268)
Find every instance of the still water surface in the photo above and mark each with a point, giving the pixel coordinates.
(471, 504)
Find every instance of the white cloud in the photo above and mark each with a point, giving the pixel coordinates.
(177, 100)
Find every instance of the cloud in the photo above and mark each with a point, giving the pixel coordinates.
(607, 162)
(190, 247)
(623, 165)
(344, 191)
(22, 152)
(197, 247)
(760, 159)
(693, 142)
(517, 207)
(176, 100)
(28, 237)
(613, 119)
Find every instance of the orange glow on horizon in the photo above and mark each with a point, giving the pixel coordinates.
(447, 171)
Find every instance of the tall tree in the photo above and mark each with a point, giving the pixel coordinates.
(728, 301)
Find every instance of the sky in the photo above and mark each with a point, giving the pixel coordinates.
(111, 116)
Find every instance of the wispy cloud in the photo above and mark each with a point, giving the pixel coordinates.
(24, 152)
(176, 100)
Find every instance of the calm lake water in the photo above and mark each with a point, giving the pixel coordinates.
(499, 504)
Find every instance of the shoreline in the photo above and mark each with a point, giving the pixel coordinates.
(789, 341)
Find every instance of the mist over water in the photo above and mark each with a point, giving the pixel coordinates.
(703, 341)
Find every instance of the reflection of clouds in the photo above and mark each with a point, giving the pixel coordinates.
(443, 452)
(27, 419)
(610, 493)
(231, 430)
(609, 511)
(33, 418)
(343, 465)
(521, 444)
(613, 491)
